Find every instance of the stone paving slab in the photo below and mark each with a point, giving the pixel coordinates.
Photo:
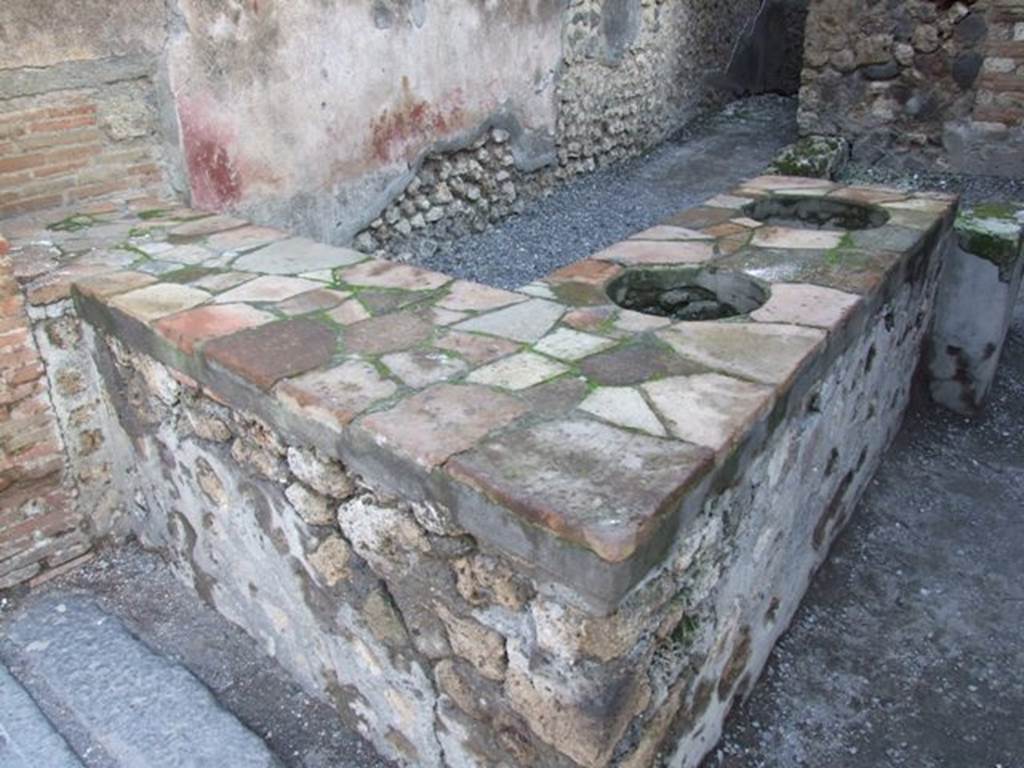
(523, 322)
(295, 255)
(27, 739)
(589, 482)
(137, 708)
(766, 353)
(268, 353)
(439, 422)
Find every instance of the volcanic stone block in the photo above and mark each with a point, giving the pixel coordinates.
(980, 284)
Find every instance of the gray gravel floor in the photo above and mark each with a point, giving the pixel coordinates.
(974, 189)
(709, 156)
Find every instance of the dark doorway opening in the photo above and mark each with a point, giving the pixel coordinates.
(769, 54)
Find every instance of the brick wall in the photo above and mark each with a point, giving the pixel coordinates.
(39, 526)
(66, 148)
(1001, 86)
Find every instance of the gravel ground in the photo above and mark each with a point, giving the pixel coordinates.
(909, 647)
(974, 189)
(710, 155)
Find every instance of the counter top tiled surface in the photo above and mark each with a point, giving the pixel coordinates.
(577, 419)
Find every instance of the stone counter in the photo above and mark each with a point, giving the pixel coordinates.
(533, 527)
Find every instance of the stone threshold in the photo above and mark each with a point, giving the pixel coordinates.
(551, 424)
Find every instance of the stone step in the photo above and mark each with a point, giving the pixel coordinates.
(27, 739)
(116, 702)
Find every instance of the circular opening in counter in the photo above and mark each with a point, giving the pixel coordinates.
(816, 213)
(687, 293)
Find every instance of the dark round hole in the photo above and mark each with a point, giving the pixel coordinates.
(687, 293)
(816, 213)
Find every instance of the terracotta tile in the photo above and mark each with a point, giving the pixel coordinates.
(636, 362)
(335, 397)
(421, 368)
(187, 329)
(771, 354)
(349, 312)
(668, 232)
(316, 300)
(803, 304)
(158, 300)
(464, 296)
(567, 344)
(295, 255)
(476, 349)
(632, 252)
(377, 273)
(517, 372)
(588, 271)
(387, 333)
(599, 486)
(439, 422)
(589, 318)
(268, 289)
(112, 283)
(269, 353)
(245, 238)
(524, 322)
(222, 281)
(207, 225)
(624, 407)
(710, 409)
(796, 239)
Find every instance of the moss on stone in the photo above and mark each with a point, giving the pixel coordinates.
(992, 231)
(819, 157)
(75, 223)
(835, 256)
(187, 274)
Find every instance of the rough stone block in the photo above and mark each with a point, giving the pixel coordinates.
(980, 284)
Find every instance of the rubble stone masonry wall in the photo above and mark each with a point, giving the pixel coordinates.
(630, 73)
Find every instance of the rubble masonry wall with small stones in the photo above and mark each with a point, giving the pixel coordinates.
(443, 653)
(631, 73)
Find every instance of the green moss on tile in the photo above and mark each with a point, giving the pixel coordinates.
(75, 223)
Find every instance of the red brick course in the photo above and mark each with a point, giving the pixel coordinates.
(39, 527)
(59, 154)
(1001, 89)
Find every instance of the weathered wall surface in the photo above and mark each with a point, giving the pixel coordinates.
(412, 118)
(938, 77)
(629, 73)
(308, 114)
(79, 117)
